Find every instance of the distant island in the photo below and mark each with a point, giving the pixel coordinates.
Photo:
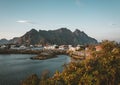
(62, 36)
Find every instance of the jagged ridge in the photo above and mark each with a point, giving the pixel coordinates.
(59, 37)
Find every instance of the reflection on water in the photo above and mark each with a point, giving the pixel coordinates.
(16, 67)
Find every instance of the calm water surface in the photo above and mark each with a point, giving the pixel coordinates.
(16, 67)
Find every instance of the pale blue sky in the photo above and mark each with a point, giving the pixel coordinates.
(97, 18)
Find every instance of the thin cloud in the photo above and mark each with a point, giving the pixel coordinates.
(77, 2)
(25, 22)
(114, 24)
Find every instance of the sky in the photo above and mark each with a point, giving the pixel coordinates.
(99, 19)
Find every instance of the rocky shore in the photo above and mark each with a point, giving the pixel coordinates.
(47, 54)
(10, 51)
(76, 55)
(41, 54)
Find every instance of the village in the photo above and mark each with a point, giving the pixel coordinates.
(77, 52)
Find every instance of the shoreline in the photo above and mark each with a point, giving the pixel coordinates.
(41, 54)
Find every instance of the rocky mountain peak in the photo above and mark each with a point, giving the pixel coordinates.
(33, 31)
(3, 41)
(59, 36)
(77, 30)
(63, 30)
(62, 36)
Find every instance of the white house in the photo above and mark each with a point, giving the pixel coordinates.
(22, 47)
(52, 47)
(72, 49)
(3, 46)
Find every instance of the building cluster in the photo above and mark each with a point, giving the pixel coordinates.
(49, 47)
(79, 50)
(21, 47)
(83, 52)
(35, 47)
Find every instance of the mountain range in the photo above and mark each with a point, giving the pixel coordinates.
(60, 36)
